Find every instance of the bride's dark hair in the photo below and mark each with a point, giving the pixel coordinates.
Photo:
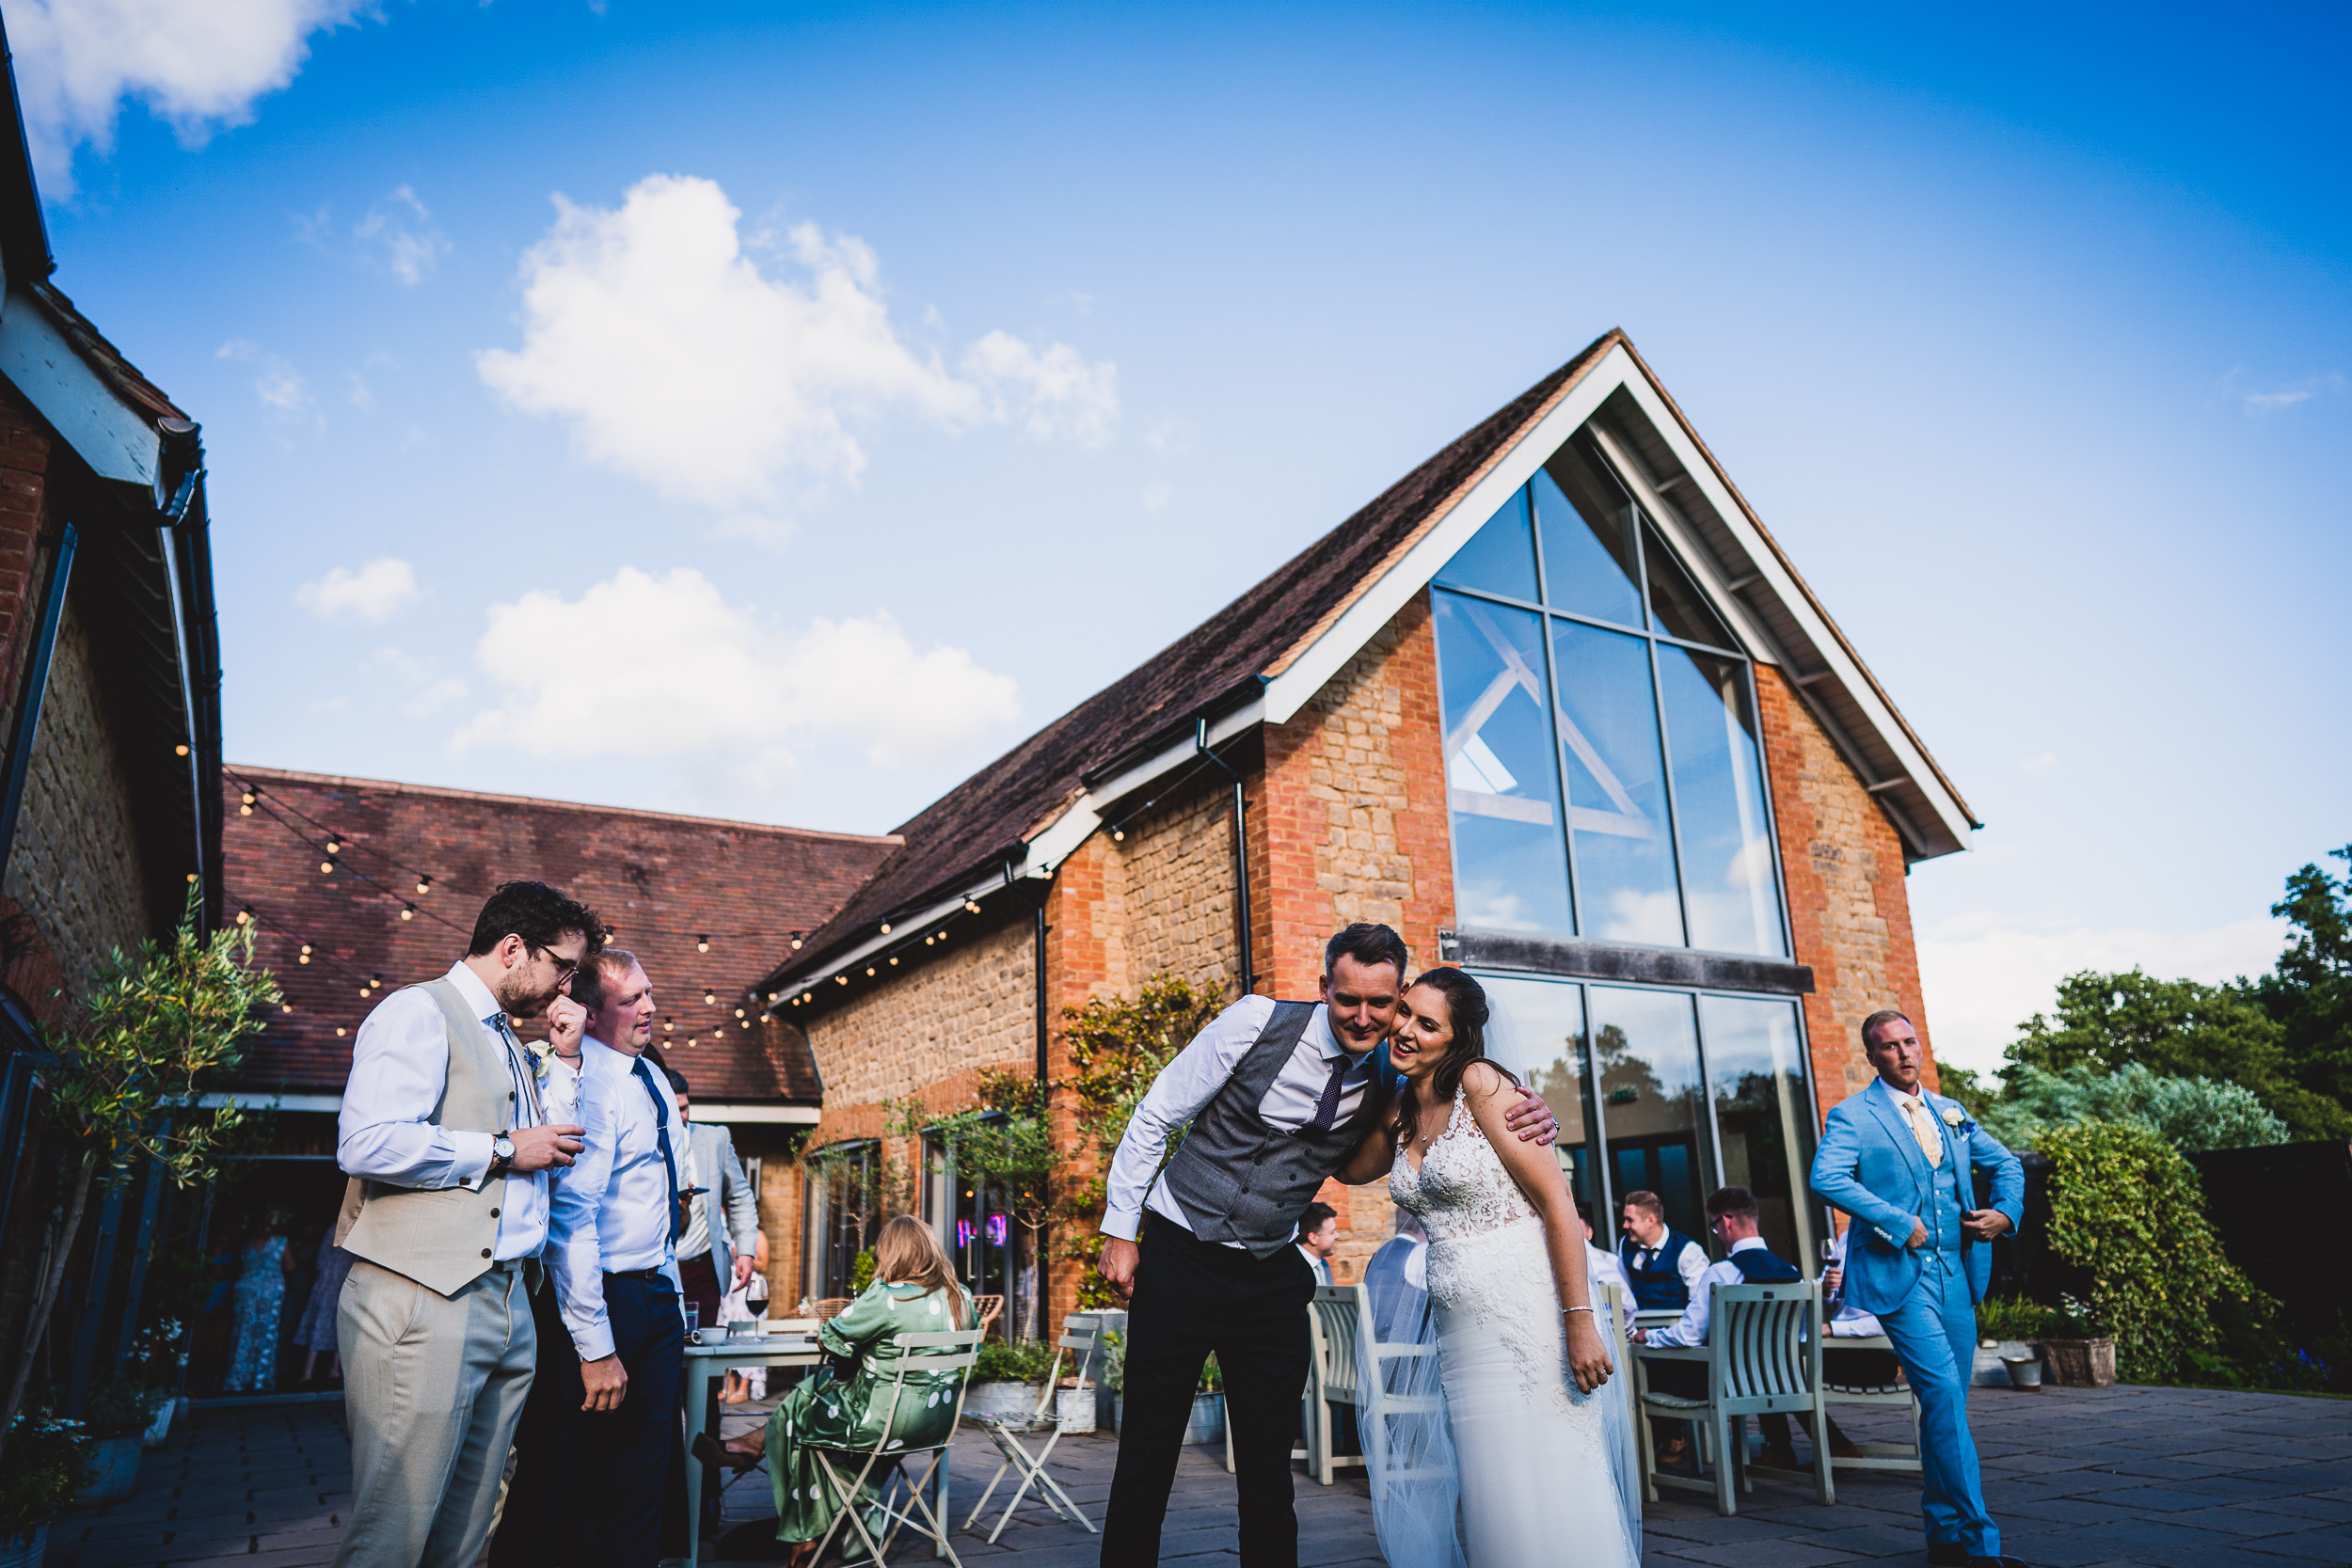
(1467, 1010)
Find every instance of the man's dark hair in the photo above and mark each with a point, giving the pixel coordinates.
(1878, 1020)
(602, 966)
(1731, 1200)
(1367, 944)
(1650, 1203)
(677, 1080)
(1583, 1211)
(1311, 1217)
(538, 913)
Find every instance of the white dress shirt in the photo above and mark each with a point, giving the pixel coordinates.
(1602, 1268)
(399, 1067)
(1851, 1321)
(1691, 1328)
(1320, 1267)
(1186, 1085)
(559, 1089)
(1692, 1265)
(613, 1208)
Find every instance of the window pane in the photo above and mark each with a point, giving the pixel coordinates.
(1538, 1031)
(1681, 609)
(1500, 557)
(1510, 862)
(1625, 860)
(1647, 1053)
(1764, 1116)
(1733, 892)
(1587, 524)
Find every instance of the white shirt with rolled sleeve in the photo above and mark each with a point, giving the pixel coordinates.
(1186, 1085)
(613, 1208)
(1691, 1328)
(398, 1067)
(1604, 1269)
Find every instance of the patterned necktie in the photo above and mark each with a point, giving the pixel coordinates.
(1916, 1112)
(526, 1083)
(1327, 1108)
(662, 1133)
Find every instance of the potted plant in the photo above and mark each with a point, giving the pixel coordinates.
(120, 1414)
(42, 1467)
(1115, 1374)
(2080, 1356)
(2007, 1327)
(1008, 1378)
(1208, 1406)
(159, 1354)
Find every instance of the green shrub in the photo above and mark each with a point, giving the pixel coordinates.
(2188, 1112)
(1211, 1376)
(861, 1272)
(120, 1407)
(43, 1467)
(1018, 1361)
(2127, 1209)
(2009, 1317)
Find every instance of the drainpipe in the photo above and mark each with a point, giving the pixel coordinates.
(1241, 852)
(29, 698)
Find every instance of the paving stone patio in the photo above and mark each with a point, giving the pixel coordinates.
(2078, 1478)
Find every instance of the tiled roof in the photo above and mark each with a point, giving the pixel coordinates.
(661, 881)
(1217, 665)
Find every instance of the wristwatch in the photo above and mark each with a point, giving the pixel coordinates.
(501, 1155)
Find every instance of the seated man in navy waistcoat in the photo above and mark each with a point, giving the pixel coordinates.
(1731, 1219)
(1663, 1265)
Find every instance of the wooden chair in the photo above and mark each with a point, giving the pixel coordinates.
(831, 1308)
(951, 1351)
(1621, 1310)
(1874, 1456)
(1763, 1356)
(990, 1309)
(1079, 1343)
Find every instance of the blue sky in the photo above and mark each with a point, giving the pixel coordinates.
(777, 413)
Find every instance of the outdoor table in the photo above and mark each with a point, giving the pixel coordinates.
(704, 1366)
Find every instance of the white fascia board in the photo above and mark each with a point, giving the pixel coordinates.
(117, 440)
(263, 1101)
(1764, 561)
(705, 1110)
(1379, 604)
(1668, 518)
(880, 941)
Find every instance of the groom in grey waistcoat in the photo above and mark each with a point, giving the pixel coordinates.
(1276, 1093)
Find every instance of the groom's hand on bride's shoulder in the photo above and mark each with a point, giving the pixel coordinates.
(1117, 1265)
(1531, 1120)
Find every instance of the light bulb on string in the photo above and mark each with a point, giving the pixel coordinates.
(702, 944)
(408, 911)
(334, 846)
(338, 1031)
(424, 884)
(245, 917)
(326, 868)
(796, 944)
(738, 1012)
(885, 927)
(179, 751)
(710, 998)
(894, 960)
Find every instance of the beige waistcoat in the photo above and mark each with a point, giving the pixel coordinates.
(441, 1237)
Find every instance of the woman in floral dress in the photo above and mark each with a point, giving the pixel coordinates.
(260, 1303)
(845, 1403)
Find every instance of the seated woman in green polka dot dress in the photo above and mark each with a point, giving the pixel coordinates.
(844, 1402)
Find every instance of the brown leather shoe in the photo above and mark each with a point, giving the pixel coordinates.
(711, 1451)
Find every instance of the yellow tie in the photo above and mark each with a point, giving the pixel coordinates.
(1916, 1112)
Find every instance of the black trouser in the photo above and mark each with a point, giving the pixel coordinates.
(626, 1451)
(543, 1523)
(1193, 1298)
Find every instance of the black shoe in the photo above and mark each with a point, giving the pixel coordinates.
(1998, 1562)
(1948, 1554)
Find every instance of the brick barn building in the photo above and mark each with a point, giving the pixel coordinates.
(1555, 705)
(357, 886)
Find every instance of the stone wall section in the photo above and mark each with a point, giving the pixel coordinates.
(1848, 907)
(969, 1008)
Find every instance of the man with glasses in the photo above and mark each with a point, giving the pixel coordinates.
(448, 1153)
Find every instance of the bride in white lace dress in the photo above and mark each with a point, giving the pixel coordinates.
(1520, 1431)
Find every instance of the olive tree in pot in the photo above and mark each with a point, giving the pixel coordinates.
(43, 1464)
(155, 1033)
(120, 1414)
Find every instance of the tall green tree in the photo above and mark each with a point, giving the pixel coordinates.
(2177, 1029)
(2308, 994)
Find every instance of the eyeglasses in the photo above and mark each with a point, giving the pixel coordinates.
(565, 968)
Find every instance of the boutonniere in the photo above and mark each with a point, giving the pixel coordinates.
(1957, 1119)
(541, 1054)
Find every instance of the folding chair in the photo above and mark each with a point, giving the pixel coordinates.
(951, 1351)
(1006, 1431)
(1872, 1456)
(1763, 1355)
(990, 1309)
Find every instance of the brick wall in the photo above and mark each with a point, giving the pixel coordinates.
(1848, 908)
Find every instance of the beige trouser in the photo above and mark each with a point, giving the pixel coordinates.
(433, 1387)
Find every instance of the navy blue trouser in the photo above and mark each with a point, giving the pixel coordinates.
(626, 1451)
(1193, 1298)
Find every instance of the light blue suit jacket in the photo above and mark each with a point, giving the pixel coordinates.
(1872, 1166)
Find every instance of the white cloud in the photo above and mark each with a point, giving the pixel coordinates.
(2278, 398)
(398, 231)
(678, 670)
(1982, 977)
(679, 360)
(2041, 762)
(370, 593)
(280, 386)
(199, 67)
(427, 693)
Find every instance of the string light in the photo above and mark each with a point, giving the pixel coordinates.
(841, 979)
(796, 944)
(710, 997)
(365, 991)
(885, 927)
(668, 1026)
(334, 845)
(326, 868)
(738, 1012)
(244, 807)
(702, 944)
(179, 751)
(971, 906)
(869, 972)
(424, 884)
(408, 911)
(245, 917)
(894, 960)
(1119, 834)
(943, 936)
(338, 1031)
(928, 941)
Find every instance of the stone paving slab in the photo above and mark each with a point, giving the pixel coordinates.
(2109, 1477)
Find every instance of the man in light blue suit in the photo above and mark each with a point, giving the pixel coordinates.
(1902, 1163)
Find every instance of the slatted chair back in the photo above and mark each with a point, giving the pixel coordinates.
(1767, 1345)
(1338, 1312)
(990, 1309)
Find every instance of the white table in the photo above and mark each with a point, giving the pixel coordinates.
(705, 1365)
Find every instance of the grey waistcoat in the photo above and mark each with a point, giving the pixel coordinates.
(1239, 1180)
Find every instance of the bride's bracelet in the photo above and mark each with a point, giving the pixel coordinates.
(1565, 1310)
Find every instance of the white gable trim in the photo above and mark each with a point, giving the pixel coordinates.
(1761, 571)
(117, 440)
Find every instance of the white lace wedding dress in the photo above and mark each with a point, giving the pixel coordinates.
(1536, 1465)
